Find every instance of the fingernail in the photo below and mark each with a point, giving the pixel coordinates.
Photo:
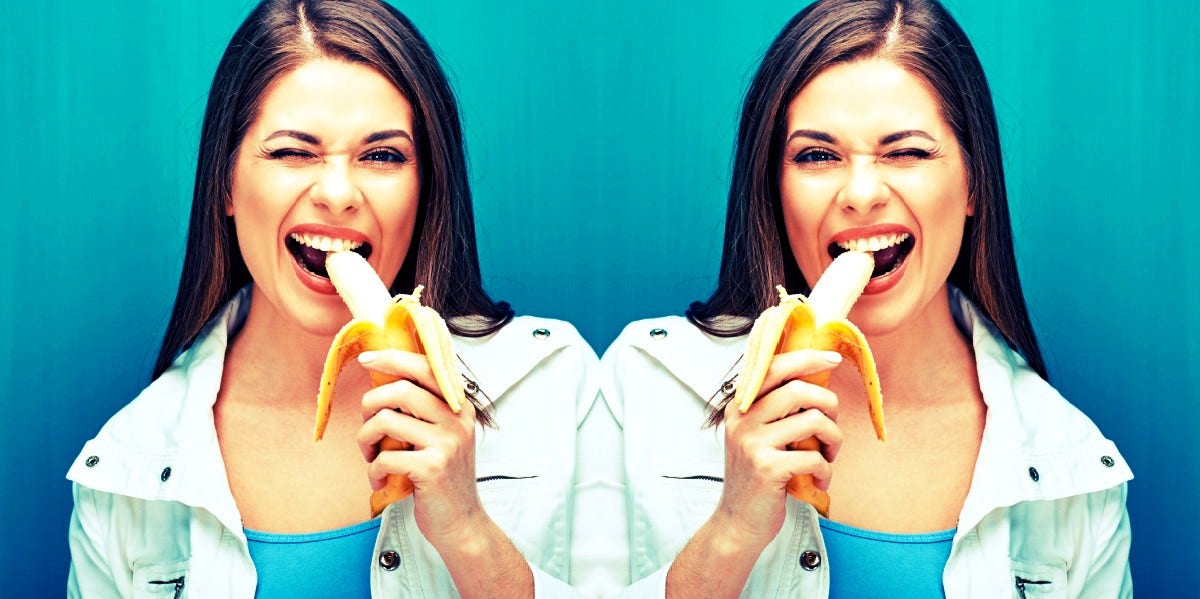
(830, 356)
(369, 356)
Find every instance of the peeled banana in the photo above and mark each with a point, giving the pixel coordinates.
(818, 322)
(383, 322)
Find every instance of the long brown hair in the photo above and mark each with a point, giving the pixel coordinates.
(277, 37)
(922, 37)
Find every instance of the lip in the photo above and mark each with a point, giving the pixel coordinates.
(329, 231)
(885, 282)
(318, 284)
(870, 231)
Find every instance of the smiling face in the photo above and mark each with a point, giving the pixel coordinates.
(329, 163)
(870, 164)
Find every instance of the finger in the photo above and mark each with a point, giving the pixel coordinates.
(406, 365)
(793, 397)
(792, 365)
(805, 425)
(390, 423)
(798, 463)
(416, 465)
(408, 397)
(386, 464)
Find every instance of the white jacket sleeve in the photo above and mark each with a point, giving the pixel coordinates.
(1108, 574)
(90, 574)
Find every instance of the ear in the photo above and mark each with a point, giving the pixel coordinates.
(970, 206)
(229, 207)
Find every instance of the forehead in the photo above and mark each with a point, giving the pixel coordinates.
(333, 94)
(869, 95)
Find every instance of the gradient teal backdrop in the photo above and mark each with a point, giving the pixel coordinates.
(600, 136)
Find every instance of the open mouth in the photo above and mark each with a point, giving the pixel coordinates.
(889, 251)
(310, 251)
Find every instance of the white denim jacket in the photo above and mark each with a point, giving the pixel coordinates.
(1046, 504)
(154, 515)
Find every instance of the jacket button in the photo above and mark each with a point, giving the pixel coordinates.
(92, 461)
(389, 560)
(1107, 461)
(1033, 473)
(541, 333)
(810, 560)
(658, 333)
(728, 387)
(166, 473)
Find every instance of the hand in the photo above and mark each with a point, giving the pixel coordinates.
(716, 562)
(758, 464)
(441, 463)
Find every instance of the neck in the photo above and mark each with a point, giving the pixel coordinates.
(277, 359)
(926, 361)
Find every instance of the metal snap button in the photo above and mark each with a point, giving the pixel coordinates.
(469, 386)
(658, 333)
(1033, 473)
(810, 560)
(166, 473)
(1107, 461)
(389, 559)
(92, 461)
(728, 387)
(541, 333)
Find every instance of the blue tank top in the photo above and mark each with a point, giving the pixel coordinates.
(869, 564)
(331, 563)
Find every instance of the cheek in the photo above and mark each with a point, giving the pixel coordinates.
(949, 218)
(397, 216)
(802, 214)
(257, 216)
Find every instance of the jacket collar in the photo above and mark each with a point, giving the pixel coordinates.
(673, 341)
(1036, 445)
(170, 425)
(501, 360)
(163, 444)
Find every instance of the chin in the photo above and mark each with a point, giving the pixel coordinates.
(878, 324)
(323, 325)
(319, 319)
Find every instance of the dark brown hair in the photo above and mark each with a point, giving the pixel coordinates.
(277, 37)
(920, 36)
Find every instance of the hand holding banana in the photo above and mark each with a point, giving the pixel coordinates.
(381, 322)
(816, 323)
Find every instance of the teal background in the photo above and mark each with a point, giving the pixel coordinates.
(600, 136)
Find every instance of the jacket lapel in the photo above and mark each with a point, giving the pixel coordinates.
(1036, 446)
(163, 446)
(498, 362)
(672, 342)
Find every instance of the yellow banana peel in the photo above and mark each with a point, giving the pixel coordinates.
(383, 322)
(817, 322)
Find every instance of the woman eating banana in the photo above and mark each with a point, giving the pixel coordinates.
(868, 128)
(330, 127)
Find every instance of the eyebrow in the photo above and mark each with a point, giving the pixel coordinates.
(300, 135)
(316, 141)
(883, 141)
(813, 134)
(387, 134)
(899, 135)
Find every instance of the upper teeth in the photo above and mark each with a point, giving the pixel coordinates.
(873, 244)
(326, 244)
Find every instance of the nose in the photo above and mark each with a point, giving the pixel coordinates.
(335, 188)
(865, 189)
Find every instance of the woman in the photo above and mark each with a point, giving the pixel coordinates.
(330, 125)
(869, 126)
